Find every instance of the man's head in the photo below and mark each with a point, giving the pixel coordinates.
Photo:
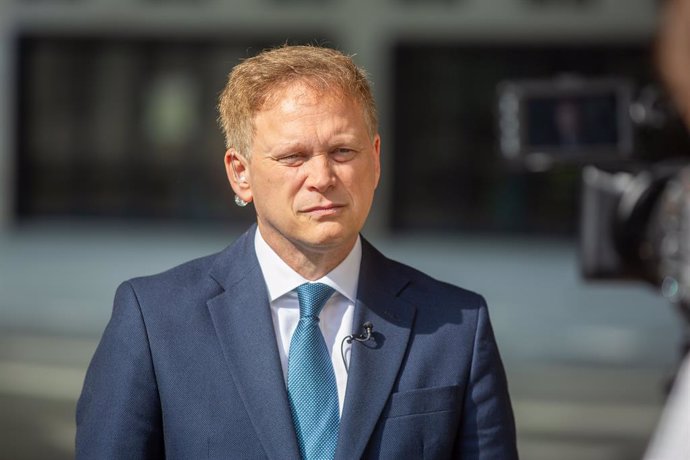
(303, 147)
(252, 86)
(673, 53)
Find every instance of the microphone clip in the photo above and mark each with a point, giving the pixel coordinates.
(361, 338)
(368, 329)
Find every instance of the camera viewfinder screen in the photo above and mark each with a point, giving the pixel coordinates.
(572, 122)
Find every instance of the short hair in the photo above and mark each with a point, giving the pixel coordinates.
(253, 82)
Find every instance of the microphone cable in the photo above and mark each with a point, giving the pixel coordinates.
(361, 338)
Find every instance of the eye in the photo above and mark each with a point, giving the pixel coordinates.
(291, 159)
(343, 154)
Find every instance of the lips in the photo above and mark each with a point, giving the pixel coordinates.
(323, 209)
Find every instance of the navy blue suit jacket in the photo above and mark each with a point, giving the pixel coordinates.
(188, 368)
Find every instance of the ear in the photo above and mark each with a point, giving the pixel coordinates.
(237, 171)
(377, 158)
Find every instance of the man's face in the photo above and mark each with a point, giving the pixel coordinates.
(313, 171)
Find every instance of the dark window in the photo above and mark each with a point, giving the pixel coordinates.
(448, 173)
(112, 127)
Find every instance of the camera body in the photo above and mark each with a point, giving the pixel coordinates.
(634, 211)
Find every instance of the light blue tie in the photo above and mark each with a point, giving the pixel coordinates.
(312, 391)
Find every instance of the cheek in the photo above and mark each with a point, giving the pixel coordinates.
(361, 190)
(365, 178)
(275, 184)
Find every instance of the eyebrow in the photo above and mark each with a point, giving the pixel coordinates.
(297, 146)
(285, 147)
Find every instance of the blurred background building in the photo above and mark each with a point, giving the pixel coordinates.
(110, 167)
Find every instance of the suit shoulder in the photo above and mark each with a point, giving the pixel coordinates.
(183, 276)
(193, 283)
(420, 287)
(427, 284)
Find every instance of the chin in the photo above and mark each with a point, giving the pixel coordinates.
(330, 236)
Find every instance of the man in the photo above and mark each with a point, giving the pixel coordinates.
(671, 439)
(235, 355)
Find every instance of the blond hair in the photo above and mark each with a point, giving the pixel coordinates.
(253, 83)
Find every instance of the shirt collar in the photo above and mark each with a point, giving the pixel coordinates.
(281, 279)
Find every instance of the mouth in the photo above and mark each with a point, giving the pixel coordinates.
(323, 210)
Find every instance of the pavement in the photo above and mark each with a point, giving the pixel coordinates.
(587, 363)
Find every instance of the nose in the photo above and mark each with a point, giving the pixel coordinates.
(320, 174)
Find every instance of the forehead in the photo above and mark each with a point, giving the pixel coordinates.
(304, 92)
(298, 114)
(299, 101)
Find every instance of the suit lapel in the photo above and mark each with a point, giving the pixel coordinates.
(242, 320)
(374, 364)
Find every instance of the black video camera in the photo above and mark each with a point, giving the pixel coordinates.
(635, 211)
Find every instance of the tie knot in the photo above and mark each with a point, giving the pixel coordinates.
(312, 297)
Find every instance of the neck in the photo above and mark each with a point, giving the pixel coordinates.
(312, 266)
(310, 262)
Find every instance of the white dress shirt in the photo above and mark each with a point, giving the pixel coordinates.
(336, 316)
(671, 441)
